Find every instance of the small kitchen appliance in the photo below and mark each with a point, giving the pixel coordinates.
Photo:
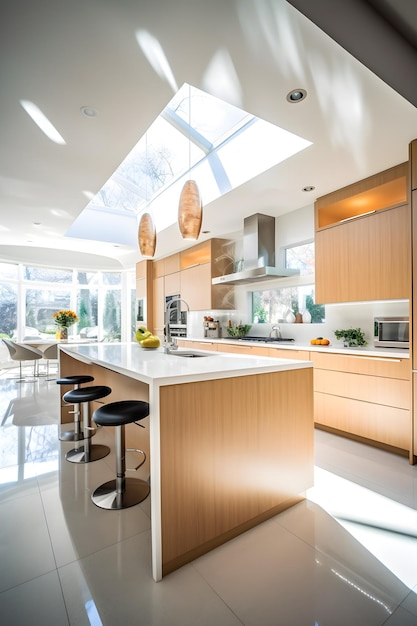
(212, 329)
(391, 332)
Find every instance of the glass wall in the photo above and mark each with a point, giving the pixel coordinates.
(29, 296)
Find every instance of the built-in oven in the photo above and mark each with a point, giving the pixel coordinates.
(140, 310)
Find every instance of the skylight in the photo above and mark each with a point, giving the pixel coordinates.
(196, 136)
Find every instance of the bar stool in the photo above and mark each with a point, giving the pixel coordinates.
(83, 396)
(76, 434)
(121, 492)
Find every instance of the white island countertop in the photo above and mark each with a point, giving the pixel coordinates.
(154, 366)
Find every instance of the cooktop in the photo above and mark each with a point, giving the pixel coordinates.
(263, 339)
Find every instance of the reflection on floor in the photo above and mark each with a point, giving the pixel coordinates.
(345, 556)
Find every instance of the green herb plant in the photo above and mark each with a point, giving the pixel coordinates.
(351, 337)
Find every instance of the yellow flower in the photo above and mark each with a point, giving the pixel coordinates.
(65, 318)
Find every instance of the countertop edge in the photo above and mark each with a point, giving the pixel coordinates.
(335, 349)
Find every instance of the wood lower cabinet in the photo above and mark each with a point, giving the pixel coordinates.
(197, 345)
(239, 349)
(364, 397)
(279, 353)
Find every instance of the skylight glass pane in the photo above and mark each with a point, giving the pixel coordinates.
(196, 136)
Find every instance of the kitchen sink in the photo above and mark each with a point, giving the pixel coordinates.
(190, 354)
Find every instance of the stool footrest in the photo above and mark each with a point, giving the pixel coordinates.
(133, 469)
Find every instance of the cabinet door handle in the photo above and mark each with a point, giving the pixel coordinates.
(379, 358)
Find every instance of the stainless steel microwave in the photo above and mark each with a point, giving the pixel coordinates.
(392, 332)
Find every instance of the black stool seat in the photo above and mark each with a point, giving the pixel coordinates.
(83, 396)
(74, 380)
(86, 394)
(121, 492)
(123, 412)
(76, 434)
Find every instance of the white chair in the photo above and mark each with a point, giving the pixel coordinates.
(23, 353)
(50, 354)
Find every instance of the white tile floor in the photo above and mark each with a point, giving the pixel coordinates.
(345, 556)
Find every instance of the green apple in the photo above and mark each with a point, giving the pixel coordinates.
(142, 333)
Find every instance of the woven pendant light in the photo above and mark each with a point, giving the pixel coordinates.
(190, 211)
(147, 235)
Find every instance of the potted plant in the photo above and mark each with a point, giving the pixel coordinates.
(352, 337)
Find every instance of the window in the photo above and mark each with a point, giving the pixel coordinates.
(275, 305)
(40, 306)
(300, 257)
(47, 274)
(8, 309)
(196, 136)
(29, 296)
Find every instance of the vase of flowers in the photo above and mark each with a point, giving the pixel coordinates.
(64, 319)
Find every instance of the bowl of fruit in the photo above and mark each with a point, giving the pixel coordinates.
(320, 341)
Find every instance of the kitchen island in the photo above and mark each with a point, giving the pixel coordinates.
(230, 438)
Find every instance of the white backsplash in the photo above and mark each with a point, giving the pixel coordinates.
(338, 316)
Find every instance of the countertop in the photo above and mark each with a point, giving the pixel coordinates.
(154, 366)
(368, 350)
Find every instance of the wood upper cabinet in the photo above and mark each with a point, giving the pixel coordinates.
(144, 289)
(366, 259)
(413, 164)
(173, 284)
(364, 253)
(199, 265)
(158, 306)
(172, 264)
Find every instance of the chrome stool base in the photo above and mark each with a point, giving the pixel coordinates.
(87, 455)
(72, 435)
(107, 497)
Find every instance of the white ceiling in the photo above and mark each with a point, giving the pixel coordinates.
(63, 56)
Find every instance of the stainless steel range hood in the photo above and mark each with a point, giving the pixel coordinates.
(258, 254)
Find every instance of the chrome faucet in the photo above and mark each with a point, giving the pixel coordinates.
(171, 342)
(275, 331)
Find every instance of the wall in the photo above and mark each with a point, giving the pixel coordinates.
(291, 229)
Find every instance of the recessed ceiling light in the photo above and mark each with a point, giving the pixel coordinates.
(89, 111)
(308, 188)
(296, 95)
(36, 223)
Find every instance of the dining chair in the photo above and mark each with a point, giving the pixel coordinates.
(50, 354)
(21, 353)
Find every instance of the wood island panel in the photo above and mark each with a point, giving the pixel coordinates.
(234, 452)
